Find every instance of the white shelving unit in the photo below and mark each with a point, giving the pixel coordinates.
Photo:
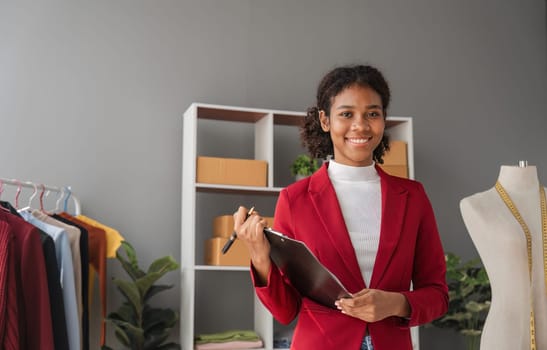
(217, 298)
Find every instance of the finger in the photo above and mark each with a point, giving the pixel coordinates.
(239, 217)
(260, 226)
(361, 293)
(344, 308)
(344, 303)
(256, 225)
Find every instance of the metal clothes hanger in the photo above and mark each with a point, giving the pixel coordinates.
(58, 203)
(29, 206)
(65, 207)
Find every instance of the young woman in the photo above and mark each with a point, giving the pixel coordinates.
(377, 233)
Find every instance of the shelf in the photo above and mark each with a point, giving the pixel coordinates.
(221, 268)
(201, 187)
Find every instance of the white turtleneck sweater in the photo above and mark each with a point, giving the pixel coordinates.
(359, 194)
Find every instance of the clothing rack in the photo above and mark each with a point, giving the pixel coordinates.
(65, 192)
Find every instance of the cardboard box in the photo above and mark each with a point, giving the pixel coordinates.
(396, 170)
(223, 225)
(397, 154)
(396, 159)
(238, 255)
(230, 171)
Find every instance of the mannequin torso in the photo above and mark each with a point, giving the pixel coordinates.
(501, 244)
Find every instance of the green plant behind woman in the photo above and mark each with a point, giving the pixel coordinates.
(470, 295)
(304, 165)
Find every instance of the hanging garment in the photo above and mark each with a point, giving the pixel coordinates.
(113, 237)
(97, 260)
(31, 288)
(5, 238)
(85, 281)
(73, 235)
(58, 319)
(64, 260)
(10, 208)
(9, 331)
(113, 242)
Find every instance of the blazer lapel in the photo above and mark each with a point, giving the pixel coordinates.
(394, 198)
(328, 210)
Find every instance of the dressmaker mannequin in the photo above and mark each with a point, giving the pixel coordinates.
(501, 244)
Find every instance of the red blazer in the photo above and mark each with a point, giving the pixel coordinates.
(410, 250)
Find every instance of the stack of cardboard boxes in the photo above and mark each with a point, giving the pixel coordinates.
(229, 171)
(237, 255)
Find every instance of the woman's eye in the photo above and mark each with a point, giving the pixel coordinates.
(374, 115)
(346, 114)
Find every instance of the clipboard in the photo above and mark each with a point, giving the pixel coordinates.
(311, 278)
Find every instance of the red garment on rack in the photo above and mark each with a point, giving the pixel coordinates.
(9, 324)
(97, 259)
(30, 288)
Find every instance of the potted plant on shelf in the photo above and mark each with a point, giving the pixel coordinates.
(303, 166)
(470, 295)
(138, 325)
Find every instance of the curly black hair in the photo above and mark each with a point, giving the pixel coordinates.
(317, 141)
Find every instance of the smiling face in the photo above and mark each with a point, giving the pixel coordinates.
(356, 124)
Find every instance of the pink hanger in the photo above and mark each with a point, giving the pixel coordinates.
(2, 190)
(32, 196)
(17, 193)
(42, 197)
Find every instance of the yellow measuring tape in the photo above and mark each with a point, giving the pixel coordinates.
(503, 194)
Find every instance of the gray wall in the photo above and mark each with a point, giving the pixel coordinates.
(92, 94)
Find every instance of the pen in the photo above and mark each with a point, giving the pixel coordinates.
(234, 234)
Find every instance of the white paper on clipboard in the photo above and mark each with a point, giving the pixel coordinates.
(306, 273)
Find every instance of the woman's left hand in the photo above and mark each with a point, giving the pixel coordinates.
(373, 305)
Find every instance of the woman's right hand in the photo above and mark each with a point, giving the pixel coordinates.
(251, 232)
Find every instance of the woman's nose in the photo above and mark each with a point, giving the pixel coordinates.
(360, 123)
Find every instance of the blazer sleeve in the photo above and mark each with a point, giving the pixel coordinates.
(429, 298)
(279, 296)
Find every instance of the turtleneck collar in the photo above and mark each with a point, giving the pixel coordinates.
(343, 172)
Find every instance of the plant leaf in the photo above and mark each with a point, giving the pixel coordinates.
(131, 292)
(124, 313)
(164, 318)
(131, 264)
(131, 332)
(475, 307)
(471, 332)
(157, 269)
(155, 339)
(166, 264)
(120, 333)
(155, 289)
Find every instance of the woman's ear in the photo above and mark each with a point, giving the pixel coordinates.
(324, 120)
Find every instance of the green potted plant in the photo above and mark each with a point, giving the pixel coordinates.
(470, 295)
(303, 166)
(138, 325)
